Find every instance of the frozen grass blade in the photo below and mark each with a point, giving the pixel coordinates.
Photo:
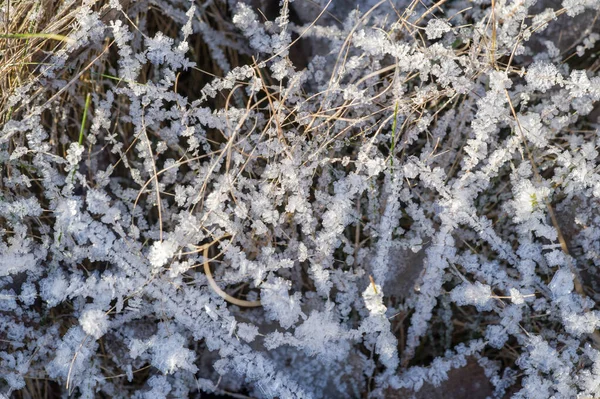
(393, 144)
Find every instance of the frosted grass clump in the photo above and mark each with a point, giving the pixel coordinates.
(350, 201)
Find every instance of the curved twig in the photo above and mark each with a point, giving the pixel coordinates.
(218, 290)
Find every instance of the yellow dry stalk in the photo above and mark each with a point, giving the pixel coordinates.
(25, 36)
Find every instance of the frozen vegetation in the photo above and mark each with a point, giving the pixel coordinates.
(299, 199)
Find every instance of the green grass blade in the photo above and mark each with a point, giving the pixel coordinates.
(88, 99)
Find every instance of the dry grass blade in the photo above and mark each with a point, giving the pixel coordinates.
(25, 36)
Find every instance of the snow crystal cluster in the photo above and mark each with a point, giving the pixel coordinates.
(353, 202)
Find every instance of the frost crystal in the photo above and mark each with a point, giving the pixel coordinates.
(472, 294)
(94, 322)
(161, 252)
(436, 28)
